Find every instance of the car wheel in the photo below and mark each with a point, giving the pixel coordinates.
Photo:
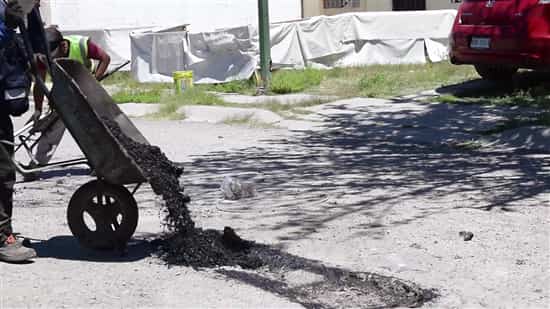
(495, 72)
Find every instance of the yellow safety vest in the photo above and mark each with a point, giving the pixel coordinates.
(78, 49)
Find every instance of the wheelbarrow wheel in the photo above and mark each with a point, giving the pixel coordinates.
(102, 216)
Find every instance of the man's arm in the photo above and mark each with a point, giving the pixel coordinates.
(37, 92)
(95, 52)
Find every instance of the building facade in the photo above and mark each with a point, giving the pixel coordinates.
(332, 7)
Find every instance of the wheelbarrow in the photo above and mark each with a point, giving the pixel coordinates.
(28, 137)
(102, 214)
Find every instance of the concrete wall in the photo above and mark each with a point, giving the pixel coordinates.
(204, 15)
(315, 7)
(379, 5)
(441, 4)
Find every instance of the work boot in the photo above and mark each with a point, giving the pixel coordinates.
(12, 251)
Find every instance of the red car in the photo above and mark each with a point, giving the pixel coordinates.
(500, 36)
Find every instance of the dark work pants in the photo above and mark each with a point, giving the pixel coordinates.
(7, 177)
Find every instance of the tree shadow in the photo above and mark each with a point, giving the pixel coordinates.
(315, 285)
(377, 159)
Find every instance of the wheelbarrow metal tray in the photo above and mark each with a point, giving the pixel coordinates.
(82, 104)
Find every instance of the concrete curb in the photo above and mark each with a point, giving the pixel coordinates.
(220, 114)
(138, 109)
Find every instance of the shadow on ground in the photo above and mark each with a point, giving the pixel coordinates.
(377, 165)
(524, 81)
(380, 164)
(315, 285)
(67, 248)
(63, 172)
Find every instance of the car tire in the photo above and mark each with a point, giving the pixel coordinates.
(495, 72)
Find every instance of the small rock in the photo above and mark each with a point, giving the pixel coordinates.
(467, 236)
(521, 262)
(234, 189)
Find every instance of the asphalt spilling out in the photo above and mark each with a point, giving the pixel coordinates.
(262, 266)
(184, 244)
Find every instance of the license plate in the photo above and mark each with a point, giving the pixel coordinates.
(480, 43)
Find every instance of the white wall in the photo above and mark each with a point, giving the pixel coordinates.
(203, 15)
(380, 5)
(441, 4)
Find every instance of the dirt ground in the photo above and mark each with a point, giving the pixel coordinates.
(372, 187)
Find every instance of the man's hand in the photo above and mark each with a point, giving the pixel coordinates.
(14, 14)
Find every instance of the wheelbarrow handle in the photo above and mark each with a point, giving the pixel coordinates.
(30, 53)
(115, 70)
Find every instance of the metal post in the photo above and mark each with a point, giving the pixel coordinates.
(265, 44)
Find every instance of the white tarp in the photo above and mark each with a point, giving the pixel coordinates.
(109, 23)
(352, 39)
(115, 42)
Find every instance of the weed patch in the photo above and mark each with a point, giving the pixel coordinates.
(292, 81)
(247, 120)
(518, 98)
(247, 87)
(194, 96)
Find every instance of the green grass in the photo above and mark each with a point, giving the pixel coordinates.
(293, 81)
(386, 81)
(120, 78)
(527, 89)
(138, 96)
(130, 91)
(193, 96)
(240, 86)
(285, 109)
(247, 120)
(517, 98)
(370, 81)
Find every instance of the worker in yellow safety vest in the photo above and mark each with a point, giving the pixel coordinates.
(75, 47)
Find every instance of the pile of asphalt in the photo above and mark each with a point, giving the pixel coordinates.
(183, 244)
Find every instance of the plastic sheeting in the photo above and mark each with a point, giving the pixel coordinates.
(115, 42)
(353, 39)
(109, 23)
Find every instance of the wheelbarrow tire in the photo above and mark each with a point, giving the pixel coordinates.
(102, 216)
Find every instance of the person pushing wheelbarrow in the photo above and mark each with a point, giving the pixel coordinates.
(78, 48)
